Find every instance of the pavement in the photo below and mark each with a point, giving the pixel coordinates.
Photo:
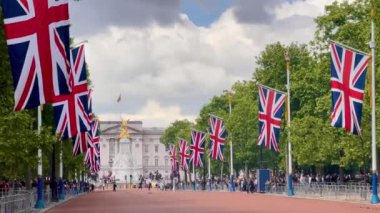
(144, 201)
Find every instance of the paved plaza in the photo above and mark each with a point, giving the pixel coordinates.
(202, 202)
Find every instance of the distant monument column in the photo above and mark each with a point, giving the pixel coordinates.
(123, 162)
(124, 130)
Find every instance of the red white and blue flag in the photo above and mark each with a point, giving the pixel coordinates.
(71, 111)
(95, 136)
(92, 156)
(92, 159)
(218, 135)
(184, 154)
(197, 147)
(271, 107)
(38, 39)
(173, 157)
(81, 143)
(348, 73)
(83, 140)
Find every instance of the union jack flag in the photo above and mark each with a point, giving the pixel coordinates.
(348, 72)
(84, 140)
(197, 147)
(271, 107)
(183, 153)
(95, 136)
(218, 136)
(81, 143)
(38, 39)
(173, 157)
(71, 111)
(92, 157)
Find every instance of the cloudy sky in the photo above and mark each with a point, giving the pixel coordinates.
(168, 58)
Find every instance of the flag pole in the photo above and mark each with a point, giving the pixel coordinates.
(61, 195)
(290, 176)
(193, 181)
(209, 173)
(375, 198)
(40, 204)
(232, 182)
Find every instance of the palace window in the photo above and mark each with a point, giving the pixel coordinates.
(146, 147)
(156, 148)
(156, 162)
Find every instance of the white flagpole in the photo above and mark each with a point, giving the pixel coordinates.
(209, 173)
(40, 204)
(232, 182)
(61, 195)
(209, 169)
(193, 183)
(375, 198)
(290, 177)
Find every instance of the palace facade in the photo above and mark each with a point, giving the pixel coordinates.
(140, 154)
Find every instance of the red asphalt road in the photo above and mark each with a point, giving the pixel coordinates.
(199, 202)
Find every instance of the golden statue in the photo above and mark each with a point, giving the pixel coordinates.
(124, 129)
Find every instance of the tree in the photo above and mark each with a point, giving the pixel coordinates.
(179, 128)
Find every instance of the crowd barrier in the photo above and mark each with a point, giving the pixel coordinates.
(349, 192)
(24, 200)
(331, 191)
(14, 201)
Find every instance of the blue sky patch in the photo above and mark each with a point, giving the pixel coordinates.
(204, 12)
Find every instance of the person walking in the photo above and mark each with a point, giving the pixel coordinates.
(149, 184)
(114, 186)
(141, 183)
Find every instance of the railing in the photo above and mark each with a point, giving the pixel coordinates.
(349, 192)
(17, 202)
(24, 200)
(198, 186)
(352, 192)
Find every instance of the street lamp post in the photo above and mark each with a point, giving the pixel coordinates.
(290, 178)
(40, 204)
(61, 195)
(232, 182)
(375, 197)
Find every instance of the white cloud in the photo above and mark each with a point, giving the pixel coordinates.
(311, 8)
(152, 114)
(167, 72)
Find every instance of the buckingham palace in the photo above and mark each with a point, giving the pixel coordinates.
(137, 152)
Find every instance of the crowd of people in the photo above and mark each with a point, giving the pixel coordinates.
(69, 186)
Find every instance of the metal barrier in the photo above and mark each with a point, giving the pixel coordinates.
(20, 201)
(24, 200)
(350, 192)
(198, 187)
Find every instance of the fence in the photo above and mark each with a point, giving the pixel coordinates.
(350, 192)
(24, 200)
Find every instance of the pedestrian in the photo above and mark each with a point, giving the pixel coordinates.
(149, 184)
(140, 183)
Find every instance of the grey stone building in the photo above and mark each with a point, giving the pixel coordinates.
(141, 154)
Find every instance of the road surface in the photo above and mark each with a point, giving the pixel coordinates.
(135, 201)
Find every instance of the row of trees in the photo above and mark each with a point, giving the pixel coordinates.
(19, 141)
(316, 145)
